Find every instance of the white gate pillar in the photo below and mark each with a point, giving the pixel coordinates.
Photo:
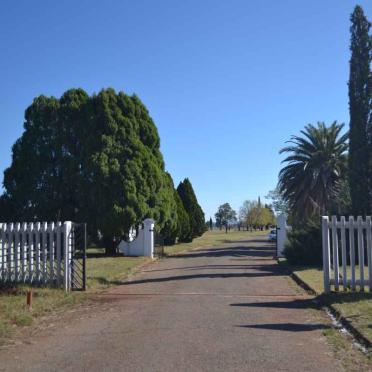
(281, 222)
(148, 227)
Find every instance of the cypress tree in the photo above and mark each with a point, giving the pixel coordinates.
(192, 207)
(93, 159)
(359, 106)
(183, 221)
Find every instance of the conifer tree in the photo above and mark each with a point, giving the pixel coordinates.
(359, 106)
(93, 159)
(192, 207)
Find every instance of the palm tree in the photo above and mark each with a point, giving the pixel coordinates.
(316, 163)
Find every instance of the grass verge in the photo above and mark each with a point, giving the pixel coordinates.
(352, 308)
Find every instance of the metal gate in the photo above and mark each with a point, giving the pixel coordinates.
(158, 245)
(78, 256)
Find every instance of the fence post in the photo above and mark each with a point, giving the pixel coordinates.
(326, 254)
(67, 226)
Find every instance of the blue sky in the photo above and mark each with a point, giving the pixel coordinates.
(226, 82)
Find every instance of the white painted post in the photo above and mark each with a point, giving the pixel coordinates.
(343, 253)
(148, 226)
(281, 237)
(67, 226)
(335, 252)
(369, 247)
(361, 251)
(326, 254)
(352, 251)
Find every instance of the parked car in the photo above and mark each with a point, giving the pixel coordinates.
(272, 236)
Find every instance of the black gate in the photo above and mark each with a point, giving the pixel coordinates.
(79, 257)
(158, 245)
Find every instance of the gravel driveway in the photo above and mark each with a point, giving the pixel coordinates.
(229, 308)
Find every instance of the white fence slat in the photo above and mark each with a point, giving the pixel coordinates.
(23, 251)
(343, 252)
(58, 251)
(16, 257)
(326, 254)
(44, 231)
(51, 251)
(352, 251)
(361, 251)
(369, 255)
(335, 252)
(3, 252)
(10, 227)
(30, 232)
(37, 251)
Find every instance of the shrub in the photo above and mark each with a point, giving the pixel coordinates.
(304, 245)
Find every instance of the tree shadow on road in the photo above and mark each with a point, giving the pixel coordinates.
(202, 276)
(236, 251)
(288, 327)
(292, 304)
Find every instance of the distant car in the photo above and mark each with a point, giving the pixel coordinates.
(272, 236)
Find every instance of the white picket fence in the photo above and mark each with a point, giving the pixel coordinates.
(347, 253)
(36, 253)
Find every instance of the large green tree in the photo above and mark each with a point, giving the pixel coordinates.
(192, 207)
(359, 106)
(87, 158)
(225, 215)
(316, 165)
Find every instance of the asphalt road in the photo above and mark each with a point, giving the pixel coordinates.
(220, 309)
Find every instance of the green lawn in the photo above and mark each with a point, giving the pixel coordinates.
(354, 307)
(102, 272)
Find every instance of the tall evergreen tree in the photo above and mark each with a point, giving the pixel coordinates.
(93, 159)
(183, 220)
(359, 106)
(192, 207)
